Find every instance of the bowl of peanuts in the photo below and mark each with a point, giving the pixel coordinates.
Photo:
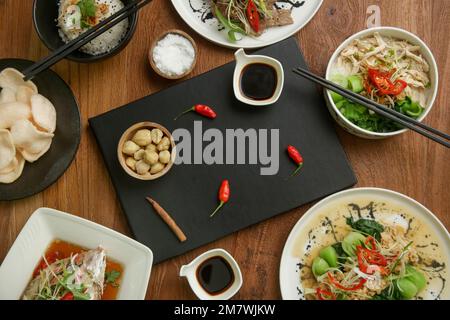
(146, 151)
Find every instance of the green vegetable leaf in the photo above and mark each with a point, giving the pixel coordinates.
(409, 107)
(366, 226)
(231, 28)
(112, 276)
(87, 8)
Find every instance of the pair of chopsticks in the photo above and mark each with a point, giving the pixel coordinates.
(391, 114)
(60, 53)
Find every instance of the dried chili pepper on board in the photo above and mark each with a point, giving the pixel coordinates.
(224, 196)
(295, 155)
(201, 109)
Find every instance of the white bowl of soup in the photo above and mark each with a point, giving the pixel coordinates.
(382, 53)
(105, 264)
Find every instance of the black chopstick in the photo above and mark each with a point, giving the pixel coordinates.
(378, 108)
(75, 44)
(391, 111)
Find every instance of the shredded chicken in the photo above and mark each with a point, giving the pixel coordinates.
(387, 54)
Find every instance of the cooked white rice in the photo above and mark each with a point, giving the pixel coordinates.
(103, 43)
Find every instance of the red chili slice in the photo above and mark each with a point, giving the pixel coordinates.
(325, 294)
(253, 15)
(50, 257)
(67, 296)
(382, 80)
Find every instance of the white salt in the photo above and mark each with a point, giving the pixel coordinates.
(174, 55)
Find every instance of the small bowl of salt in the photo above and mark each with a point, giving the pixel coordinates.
(173, 54)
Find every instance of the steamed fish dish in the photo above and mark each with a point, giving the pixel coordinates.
(372, 256)
(249, 17)
(77, 16)
(68, 272)
(27, 124)
(389, 71)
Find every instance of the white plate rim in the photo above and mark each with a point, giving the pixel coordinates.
(237, 45)
(294, 231)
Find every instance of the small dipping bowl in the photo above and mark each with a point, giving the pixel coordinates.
(190, 272)
(155, 43)
(242, 61)
(128, 135)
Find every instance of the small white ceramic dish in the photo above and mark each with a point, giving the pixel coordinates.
(189, 271)
(390, 32)
(398, 208)
(242, 60)
(46, 225)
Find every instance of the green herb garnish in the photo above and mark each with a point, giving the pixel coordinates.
(111, 277)
(87, 8)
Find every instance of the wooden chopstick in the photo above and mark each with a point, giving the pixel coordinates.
(378, 108)
(75, 44)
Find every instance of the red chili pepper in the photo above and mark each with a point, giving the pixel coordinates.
(51, 257)
(224, 195)
(253, 15)
(397, 87)
(382, 80)
(295, 155)
(200, 109)
(370, 240)
(340, 286)
(325, 294)
(372, 257)
(67, 296)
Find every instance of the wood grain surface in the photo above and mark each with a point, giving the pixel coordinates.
(409, 163)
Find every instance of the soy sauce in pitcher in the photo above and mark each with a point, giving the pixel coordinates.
(215, 275)
(259, 81)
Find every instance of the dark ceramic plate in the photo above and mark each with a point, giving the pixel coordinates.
(41, 174)
(45, 14)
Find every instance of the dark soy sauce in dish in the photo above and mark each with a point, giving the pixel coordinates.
(259, 81)
(215, 275)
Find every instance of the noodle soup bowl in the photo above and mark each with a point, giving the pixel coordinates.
(399, 34)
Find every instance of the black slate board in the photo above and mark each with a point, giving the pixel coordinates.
(189, 192)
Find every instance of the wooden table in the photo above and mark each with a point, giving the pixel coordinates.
(408, 163)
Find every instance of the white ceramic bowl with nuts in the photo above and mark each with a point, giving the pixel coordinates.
(146, 151)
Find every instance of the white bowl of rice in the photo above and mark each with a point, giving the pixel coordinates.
(400, 55)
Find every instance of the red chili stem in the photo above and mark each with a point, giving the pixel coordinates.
(297, 170)
(184, 112)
